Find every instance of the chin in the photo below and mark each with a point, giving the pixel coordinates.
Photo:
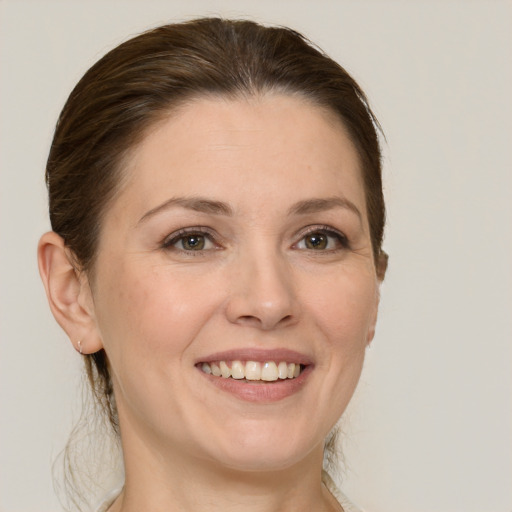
(266, 451)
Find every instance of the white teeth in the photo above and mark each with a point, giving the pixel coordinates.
(269, 371)
(237, 370)
(215, 370)
(253, 370)
(282, 370)
(225, 369)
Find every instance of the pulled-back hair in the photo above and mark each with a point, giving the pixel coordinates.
(142, 80)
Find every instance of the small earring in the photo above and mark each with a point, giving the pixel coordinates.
(80, 346)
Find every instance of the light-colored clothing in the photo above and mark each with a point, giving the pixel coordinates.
(345, 503)
(108, 499)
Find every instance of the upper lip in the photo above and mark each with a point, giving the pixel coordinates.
(258, 355)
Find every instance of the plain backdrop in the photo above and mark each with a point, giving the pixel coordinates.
(429, 429)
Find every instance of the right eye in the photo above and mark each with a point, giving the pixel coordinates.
(189, 241)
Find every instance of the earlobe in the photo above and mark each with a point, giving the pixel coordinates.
(381, 267)
(373, 319)
(68, 293)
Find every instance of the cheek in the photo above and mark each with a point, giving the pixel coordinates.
(150, 312)
(343, 313)
(343, 316)
(344, 309)
(149, 319)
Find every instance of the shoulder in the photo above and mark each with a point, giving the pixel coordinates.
(107, 500)
(346, 504)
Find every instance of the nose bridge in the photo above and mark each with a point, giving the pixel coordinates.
(263, 291)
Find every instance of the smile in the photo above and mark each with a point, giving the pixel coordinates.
(257, 375)
(253, 371)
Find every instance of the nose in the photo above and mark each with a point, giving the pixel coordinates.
(262, 293)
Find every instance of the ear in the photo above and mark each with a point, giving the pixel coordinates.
(382, 265)
(373, 317)
(68, 293)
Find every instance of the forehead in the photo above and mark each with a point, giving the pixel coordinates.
(270, 145)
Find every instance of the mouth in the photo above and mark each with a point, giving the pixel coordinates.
(261, 376)
(253, 371)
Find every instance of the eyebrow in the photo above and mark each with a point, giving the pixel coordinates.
(323, 204)
(197, 204)
(204, 205)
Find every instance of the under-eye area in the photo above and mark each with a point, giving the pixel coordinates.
(253, 371)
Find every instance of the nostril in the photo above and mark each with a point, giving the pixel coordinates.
(249, 320)
(264, 322)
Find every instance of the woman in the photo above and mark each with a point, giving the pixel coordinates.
(217, 214)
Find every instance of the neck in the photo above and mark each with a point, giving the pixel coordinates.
(174, 481)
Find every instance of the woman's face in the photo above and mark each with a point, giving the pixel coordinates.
(239, 245)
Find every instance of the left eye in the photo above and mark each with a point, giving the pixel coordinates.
(321, 241)
(190, 242)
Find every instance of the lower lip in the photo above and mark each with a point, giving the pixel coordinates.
(260, 391)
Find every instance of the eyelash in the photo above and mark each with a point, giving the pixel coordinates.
(175, 237)
(328, 231)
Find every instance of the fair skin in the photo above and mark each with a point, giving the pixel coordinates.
(275, 265)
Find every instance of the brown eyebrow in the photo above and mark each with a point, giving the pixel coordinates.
(198, 204)
(323, 204)
(203, 205)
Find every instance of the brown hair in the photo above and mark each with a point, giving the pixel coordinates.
(143, 79)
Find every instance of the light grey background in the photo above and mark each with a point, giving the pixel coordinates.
(430, 427)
